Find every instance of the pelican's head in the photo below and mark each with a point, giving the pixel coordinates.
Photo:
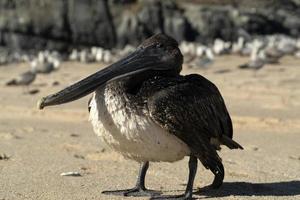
(159, 53)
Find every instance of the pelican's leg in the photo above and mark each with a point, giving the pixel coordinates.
(219, 176)
(139, 189)
(189, 188)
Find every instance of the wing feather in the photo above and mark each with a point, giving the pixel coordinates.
(194, 111)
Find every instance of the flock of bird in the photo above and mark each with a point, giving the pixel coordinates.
(261, 50)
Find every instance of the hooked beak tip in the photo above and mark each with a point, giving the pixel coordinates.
(40, 103)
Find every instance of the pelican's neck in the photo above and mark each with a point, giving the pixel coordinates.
(132, 84)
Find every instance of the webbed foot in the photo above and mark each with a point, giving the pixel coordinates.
(174, 197)
(134, 192)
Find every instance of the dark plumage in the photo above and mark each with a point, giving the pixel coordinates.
(192, 108)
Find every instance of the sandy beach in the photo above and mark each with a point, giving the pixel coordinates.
(37, 146)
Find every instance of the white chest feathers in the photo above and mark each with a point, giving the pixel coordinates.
(136, 137)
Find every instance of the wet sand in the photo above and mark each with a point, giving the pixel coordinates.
(265, 108)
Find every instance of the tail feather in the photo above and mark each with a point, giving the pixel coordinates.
(230, 143)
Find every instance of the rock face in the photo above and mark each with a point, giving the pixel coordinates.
(23, 23)
(175, 22)
(56, 24)
(153, 17)
(90, 23)
(211, 22)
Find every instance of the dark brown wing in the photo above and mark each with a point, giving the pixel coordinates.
(194, 111)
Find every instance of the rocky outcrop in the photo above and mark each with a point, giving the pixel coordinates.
(90, 23)
(153, 17)
(56, 24)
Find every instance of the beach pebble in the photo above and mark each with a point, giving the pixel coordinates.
(70, 174)
(74, 135)
(102, 150)
(83, 168)
(55, 83)
(255, 148)
(33, 91)
(79, 156)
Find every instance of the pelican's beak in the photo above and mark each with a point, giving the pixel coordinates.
(143, 59)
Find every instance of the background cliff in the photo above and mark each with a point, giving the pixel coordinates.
(61, 24)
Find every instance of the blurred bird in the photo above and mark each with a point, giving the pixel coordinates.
(43, 67)
(25, 78)
(203, 61)
(221, 47)
(256, 62)
(272, 55)
(74, 55)
(99, 54)
(46, 62)
(85, 56)
(287, 47)
(238, 45)
(107, 56)
(253, 64)
(297, 54)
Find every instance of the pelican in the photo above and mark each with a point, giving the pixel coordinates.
(145, 110)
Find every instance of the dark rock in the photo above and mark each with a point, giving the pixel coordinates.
(130, 30)
(154, 17)
(35, 17)
(290, 21)
(175, 23)
(211, 22)
(60, 25)
(1, 38)
(52, 24)
(33, 91)
(122, 2)
(19, 41)
(151, 17)
(260, 22)
(91, 23)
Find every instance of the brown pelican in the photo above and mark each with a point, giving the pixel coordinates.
(144, 109)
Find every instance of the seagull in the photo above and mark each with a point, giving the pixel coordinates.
(45, 63)
(203, 61)
(25, 78)
(85, 56)
(256, 62)
(74, 55)
(253, 64)
(145, 110)
(221, 47)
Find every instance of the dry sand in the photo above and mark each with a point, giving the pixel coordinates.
(265, 108)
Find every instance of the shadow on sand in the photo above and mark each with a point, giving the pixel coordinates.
(289, 188)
